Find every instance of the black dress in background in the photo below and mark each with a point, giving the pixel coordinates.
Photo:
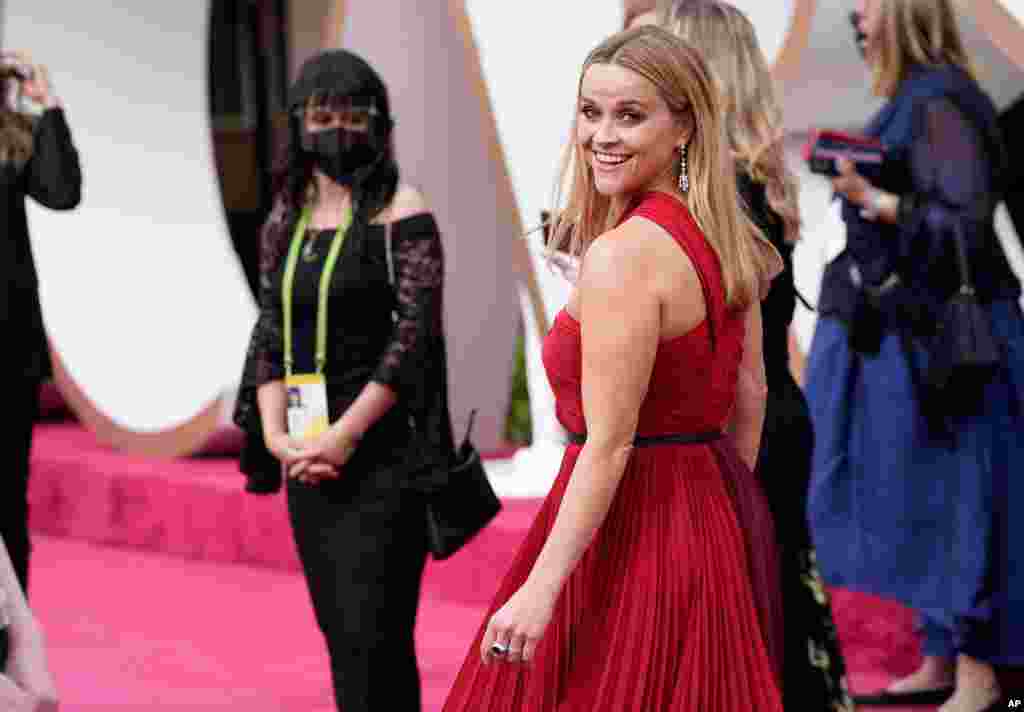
(52, 177)
(1011, 125)
(814, 674)
(361, 538)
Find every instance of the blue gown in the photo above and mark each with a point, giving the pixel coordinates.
(894, 509)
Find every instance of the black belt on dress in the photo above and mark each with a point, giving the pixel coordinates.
(651, 440)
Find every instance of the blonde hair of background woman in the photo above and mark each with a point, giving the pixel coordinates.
(683, 81)
(915, 32)
(15, 128)
(753, 119)
(632, 9)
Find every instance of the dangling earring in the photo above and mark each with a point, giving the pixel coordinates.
(684, 179)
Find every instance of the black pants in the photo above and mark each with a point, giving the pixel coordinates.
(362, 544)
(16, 442)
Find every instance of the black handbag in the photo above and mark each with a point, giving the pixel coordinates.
(867, 322)
(459, 499)
(964, 354)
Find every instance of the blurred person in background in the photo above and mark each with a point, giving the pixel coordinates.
(916, 495)
(26, 684)
(814, 672)
(37, 160)
(359, 528)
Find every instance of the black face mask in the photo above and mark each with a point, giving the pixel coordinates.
(342, 155)
(859, 38)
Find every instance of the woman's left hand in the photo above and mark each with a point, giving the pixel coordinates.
(323, 456)
(519, 625)
(851, 184)
(38, 88)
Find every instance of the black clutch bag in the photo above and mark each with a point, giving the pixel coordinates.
(459, 500)
(965, 355)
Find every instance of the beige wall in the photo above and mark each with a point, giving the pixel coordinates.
(307, 20)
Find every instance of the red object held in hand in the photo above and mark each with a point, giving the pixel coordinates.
(824, 148)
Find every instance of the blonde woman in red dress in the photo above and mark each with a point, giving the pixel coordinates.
(647, 580)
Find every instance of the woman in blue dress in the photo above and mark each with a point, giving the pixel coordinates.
(910, 500)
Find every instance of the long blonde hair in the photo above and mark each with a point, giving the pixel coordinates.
(683, 81)
(753, 118)
(915, 32)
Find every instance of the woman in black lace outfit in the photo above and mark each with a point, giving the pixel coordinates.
(358, 526)
(814, 671)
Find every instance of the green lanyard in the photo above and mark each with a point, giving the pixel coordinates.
(325, 287)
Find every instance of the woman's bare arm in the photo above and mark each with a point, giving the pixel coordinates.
(620, 316)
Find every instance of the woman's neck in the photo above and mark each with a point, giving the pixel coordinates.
(331, 200)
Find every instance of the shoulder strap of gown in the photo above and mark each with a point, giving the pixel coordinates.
(676, 219)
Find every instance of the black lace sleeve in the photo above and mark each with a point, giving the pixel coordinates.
(264, 360)
(418, 265)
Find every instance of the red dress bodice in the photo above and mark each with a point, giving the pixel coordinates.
(693, 381)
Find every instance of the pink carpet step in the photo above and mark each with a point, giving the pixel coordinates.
(196, 508)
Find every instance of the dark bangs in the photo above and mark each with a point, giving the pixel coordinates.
(338, 79)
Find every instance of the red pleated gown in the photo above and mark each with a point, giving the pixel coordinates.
(675, 605)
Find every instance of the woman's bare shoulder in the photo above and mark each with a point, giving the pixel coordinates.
(643, 246)
(408, 201)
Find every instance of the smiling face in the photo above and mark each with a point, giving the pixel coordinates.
(626, 132)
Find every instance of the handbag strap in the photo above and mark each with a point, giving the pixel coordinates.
(390, 258)
(966, 285)
(387, 253)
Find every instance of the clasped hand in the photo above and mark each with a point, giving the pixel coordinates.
(313, 460)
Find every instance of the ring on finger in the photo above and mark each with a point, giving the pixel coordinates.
(498, 649)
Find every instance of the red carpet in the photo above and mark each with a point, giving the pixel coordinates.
(177, 617)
